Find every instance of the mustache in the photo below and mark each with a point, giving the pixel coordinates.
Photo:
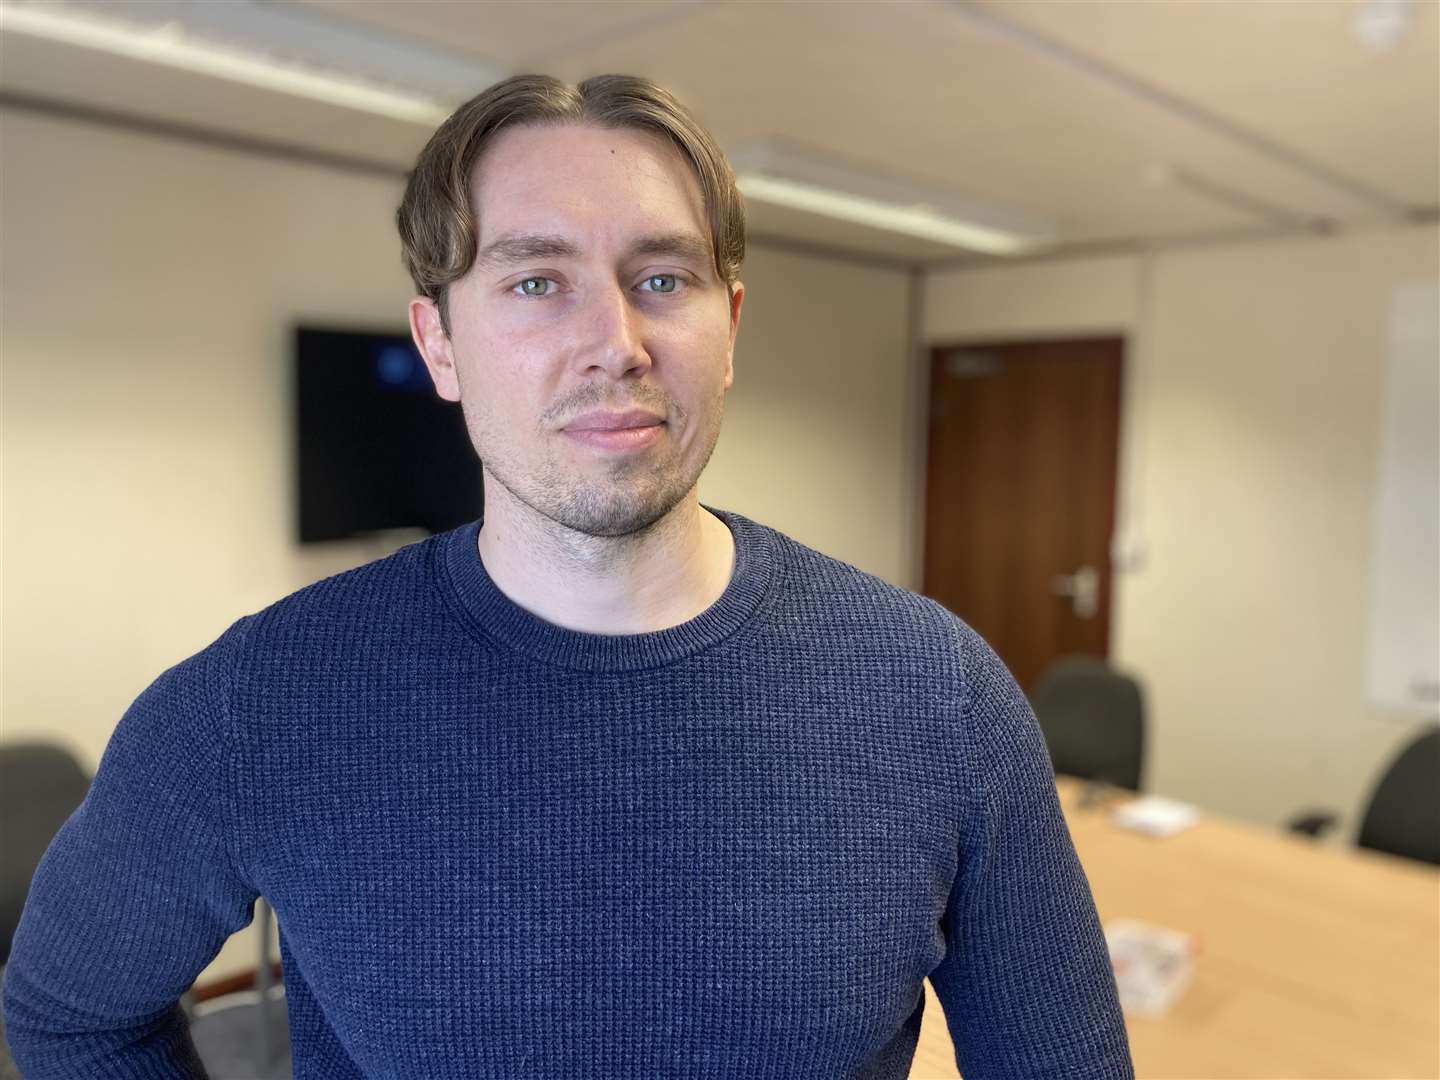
(578, 403)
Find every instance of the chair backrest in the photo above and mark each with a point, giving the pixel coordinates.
(1093, 719)
(1404, 813)
(41, 785)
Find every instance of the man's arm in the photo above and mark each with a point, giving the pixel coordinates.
(136, 893)
(1026, 983)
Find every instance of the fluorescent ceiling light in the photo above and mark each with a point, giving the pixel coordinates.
(171, 44)
(1381, 24)
(782, 175)
(918, 220)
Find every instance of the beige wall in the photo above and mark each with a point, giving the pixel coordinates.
(148, 291)
(816, 439)
(1248, 472)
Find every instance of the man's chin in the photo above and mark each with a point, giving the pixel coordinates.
(614, 521)
(605, 506)
(611, 514)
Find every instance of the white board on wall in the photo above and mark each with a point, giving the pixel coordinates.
(1404, 637)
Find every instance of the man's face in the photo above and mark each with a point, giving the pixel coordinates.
(594, 293)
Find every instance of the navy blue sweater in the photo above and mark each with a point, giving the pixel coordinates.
(497, 848)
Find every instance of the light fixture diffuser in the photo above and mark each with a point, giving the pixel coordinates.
(783, 175)
(174, 44)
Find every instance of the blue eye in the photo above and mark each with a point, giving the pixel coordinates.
(662, 283)
(535, 286)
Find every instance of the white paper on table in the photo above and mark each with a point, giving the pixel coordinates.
(1155, 816)
(1153, 964)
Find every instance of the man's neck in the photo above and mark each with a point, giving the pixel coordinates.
(636, 584)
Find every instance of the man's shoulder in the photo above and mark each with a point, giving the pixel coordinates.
(862, 605)
(828, 585)
(359, 600)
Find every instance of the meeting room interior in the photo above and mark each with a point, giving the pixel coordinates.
(1113, 327)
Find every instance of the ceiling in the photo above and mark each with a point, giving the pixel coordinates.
(1121, 123)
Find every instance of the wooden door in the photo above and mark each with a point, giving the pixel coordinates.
(1020, 494)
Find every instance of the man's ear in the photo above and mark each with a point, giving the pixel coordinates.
(435, 347)
(737, 297)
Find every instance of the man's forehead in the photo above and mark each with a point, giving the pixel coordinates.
(526, 155)
(540, 191)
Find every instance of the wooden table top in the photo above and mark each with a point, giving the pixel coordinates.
(1314, 962)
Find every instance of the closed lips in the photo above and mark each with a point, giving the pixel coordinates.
(602, 421)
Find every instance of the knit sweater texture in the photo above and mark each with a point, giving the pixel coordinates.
(498, 848)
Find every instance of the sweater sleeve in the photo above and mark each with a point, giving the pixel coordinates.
(135, 895)
(1026, 983)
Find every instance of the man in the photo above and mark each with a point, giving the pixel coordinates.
(609, 784)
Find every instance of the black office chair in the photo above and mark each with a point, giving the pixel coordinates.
(1093, 719)
(41, 785)
(245, 1035)
(1403, 816)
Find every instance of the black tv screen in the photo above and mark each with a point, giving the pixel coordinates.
(377, 448)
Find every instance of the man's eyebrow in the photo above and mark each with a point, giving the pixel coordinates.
(679, 245)
(522, 247)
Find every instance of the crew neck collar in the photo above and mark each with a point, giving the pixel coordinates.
(493, 615)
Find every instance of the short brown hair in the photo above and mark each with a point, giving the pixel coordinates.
(438, 230)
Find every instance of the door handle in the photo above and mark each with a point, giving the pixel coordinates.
(1083, 589)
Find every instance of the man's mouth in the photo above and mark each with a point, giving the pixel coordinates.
(619, 438)
(604, 420)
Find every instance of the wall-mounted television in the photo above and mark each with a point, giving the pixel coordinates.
(376, 447)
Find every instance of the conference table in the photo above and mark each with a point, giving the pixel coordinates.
(1313, 961)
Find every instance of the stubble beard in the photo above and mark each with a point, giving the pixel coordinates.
(630, 497)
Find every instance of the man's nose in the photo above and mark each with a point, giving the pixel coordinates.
(615, 334)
